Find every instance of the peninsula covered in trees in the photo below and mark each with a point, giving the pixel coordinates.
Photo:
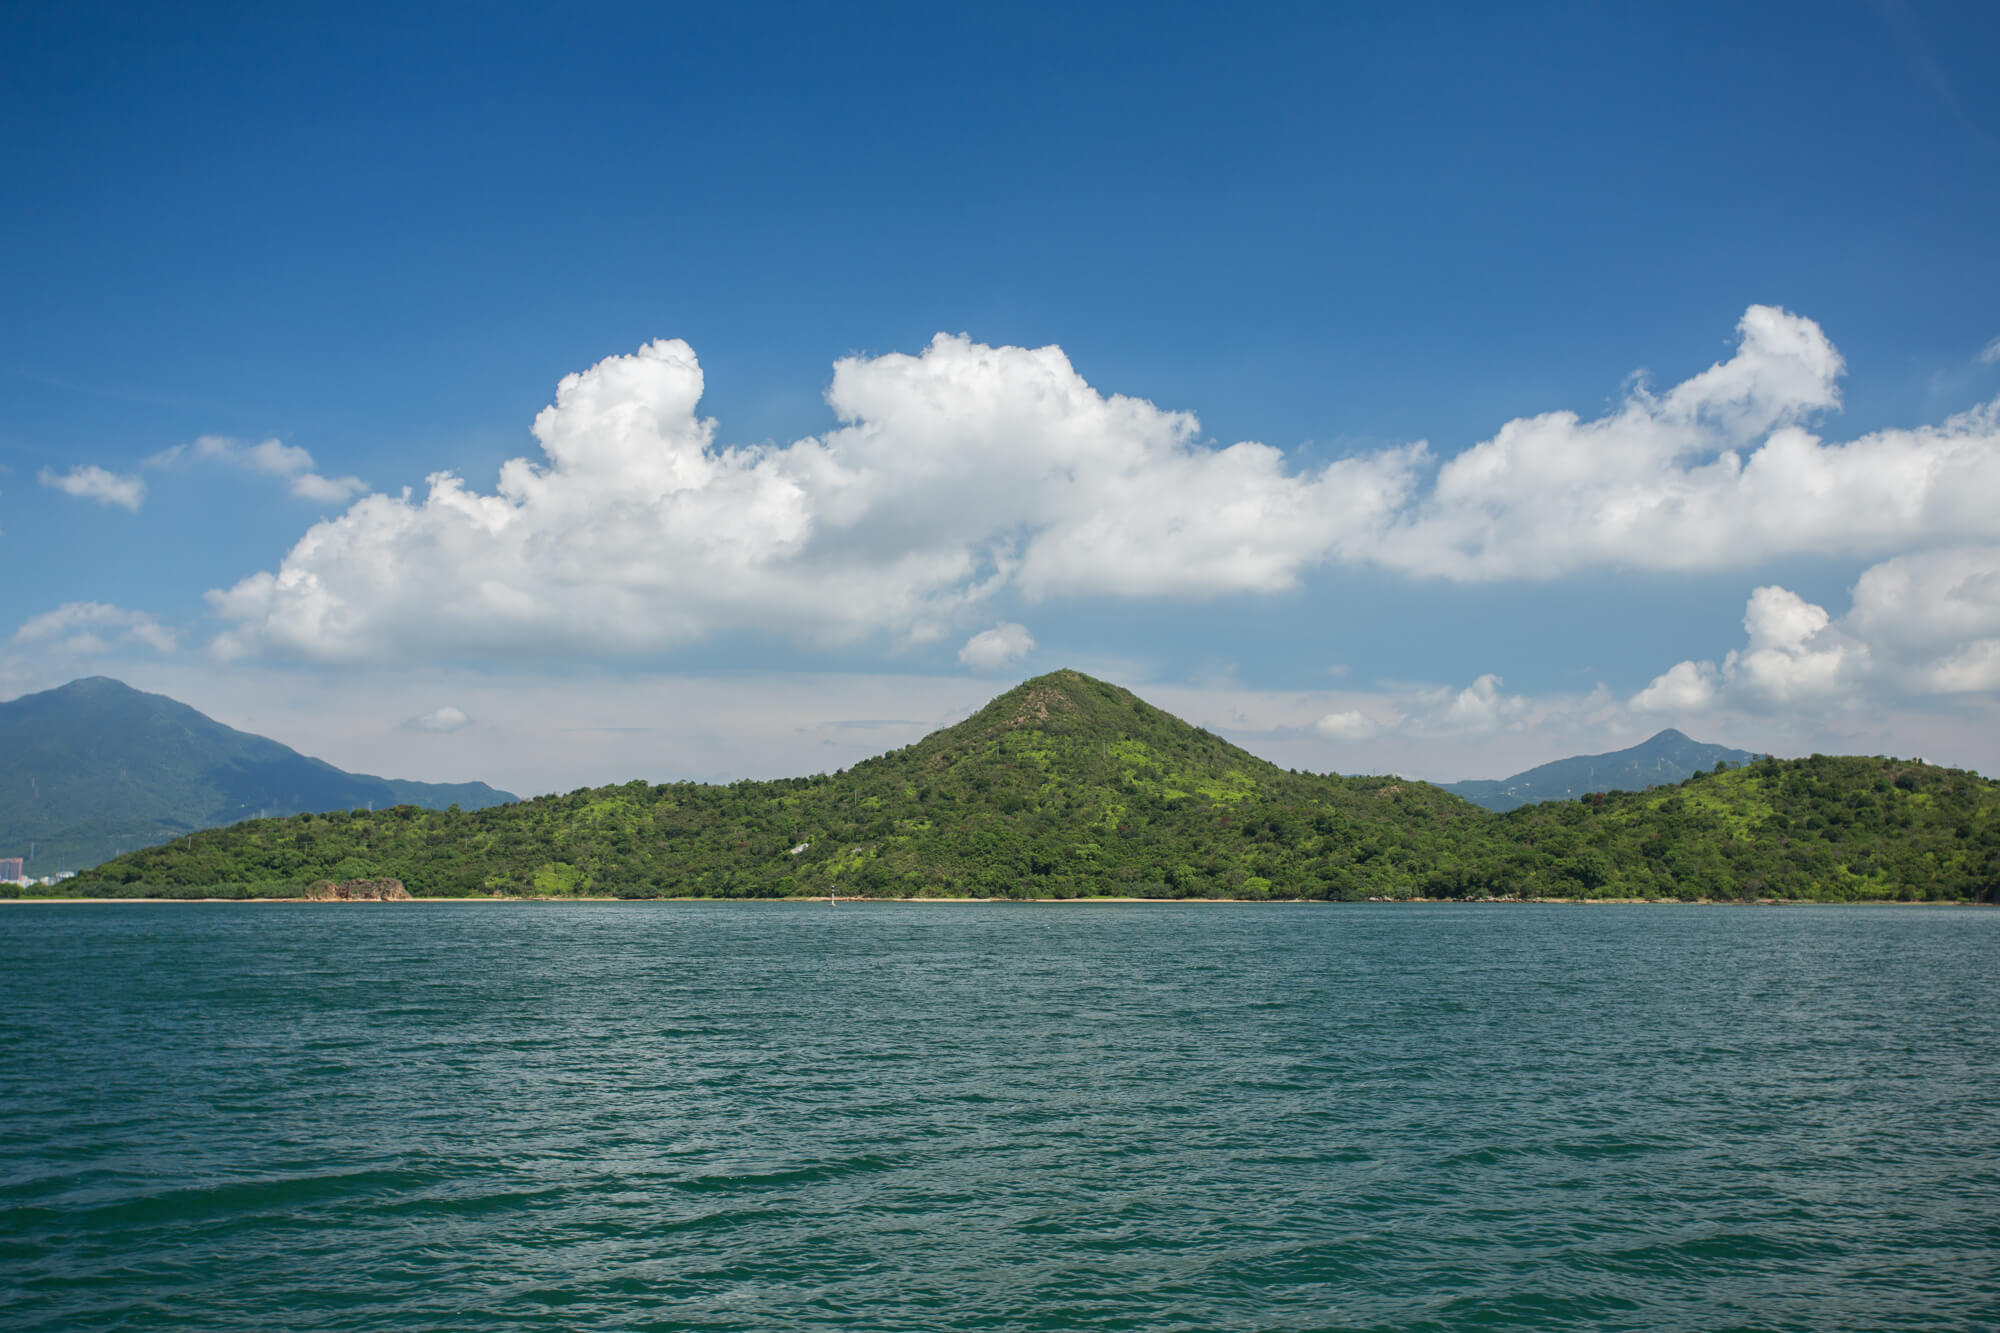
(1067, 787)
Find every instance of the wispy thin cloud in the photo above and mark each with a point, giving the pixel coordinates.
(271, 458)
(87, 629)
(87, 481)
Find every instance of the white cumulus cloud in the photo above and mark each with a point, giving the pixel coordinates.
(439, 720)
(967, 469)
(1791, 656)
(1920, 625)
(960, 471)
(86, 629)
(1348, 724)
(992, 649)
(1483, 706)
(89, 482)
(1684, 688)
(1717, 472)
(272, 458)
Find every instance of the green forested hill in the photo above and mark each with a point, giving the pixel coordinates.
(1067, 786)
(1832, 827)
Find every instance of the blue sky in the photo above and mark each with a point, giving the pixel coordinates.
(381, 239)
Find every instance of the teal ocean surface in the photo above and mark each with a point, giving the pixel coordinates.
(994, 1116)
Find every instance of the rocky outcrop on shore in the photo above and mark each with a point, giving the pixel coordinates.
(358, 891)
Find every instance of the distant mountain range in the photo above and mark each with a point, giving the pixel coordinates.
(95, 768)
(1666, 758)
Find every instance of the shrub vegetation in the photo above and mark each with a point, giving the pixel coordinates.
(1070, 787)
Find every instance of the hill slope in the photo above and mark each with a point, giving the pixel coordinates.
(96, 767)
(1063, 786)
(1666, 758)
(1839, 828)
(1067, 786)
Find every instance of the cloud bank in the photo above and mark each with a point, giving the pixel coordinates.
(1481, 709)
(966, 471)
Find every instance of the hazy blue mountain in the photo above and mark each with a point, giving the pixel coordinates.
(96, 767)
(1667, 757)
(442, 795)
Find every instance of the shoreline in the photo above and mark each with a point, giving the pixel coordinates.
(1059, 902)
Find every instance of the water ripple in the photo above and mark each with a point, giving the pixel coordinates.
(944, 1117)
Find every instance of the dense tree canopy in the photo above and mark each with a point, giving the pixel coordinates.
(1067, 787)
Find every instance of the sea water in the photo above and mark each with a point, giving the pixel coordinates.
(995, 1116)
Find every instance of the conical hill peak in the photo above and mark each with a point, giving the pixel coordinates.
(1064, 701)
(1075, 725)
